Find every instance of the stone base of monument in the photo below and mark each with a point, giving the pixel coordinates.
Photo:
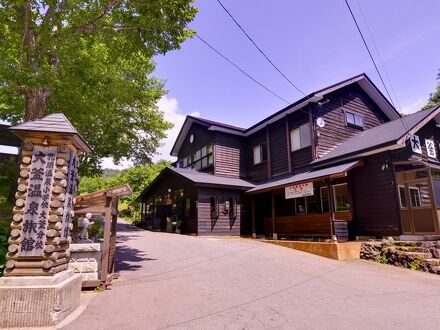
(35, 301)
(85, 259)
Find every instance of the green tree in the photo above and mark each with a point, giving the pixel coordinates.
(434, 98)
(91, 60)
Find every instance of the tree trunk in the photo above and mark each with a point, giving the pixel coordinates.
(36, 100)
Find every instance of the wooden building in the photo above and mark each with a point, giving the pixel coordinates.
(340, 162)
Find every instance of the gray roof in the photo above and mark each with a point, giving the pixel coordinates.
(304, 177)
(55, 122)
(379, 136)
(200, 178)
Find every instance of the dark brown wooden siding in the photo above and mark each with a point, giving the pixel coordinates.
(300, 159)
(157, 220)
(375, 198)
(256, 173)
(278, 148)
(429, 131)
(202, 137)
(229, 155)
(351, 98)
(223, 225)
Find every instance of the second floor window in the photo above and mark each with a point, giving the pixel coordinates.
(300, 137)
(354, 120)
(200, 159)
(260, 153)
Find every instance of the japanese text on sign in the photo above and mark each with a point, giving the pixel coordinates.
(36, 209)
(299, 190)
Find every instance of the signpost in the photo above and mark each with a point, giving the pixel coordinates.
(299, 190)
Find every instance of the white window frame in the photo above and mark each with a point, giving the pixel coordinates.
(400, 196)
(257, 154)
(296, 142)
(418, 194)
(354, 118)
(334, 196)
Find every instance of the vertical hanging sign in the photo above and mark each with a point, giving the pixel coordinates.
(70, 194)
(36, 210)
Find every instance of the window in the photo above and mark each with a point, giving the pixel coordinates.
(260, 153)
(214, 207)
(300, 206)
(232, 208)
(300, 137)
(188, 207)
(200, 159)
(324, 200)
(341, 197)
(436, 184)
(402, 197)
(311, 205)
(354, 120)
(414, 194)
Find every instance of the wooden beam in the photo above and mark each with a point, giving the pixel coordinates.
(274, 234)
(331, 205)
(91, 209)
(106, 244)
(289, 158)
(269, 160)
(254, 225)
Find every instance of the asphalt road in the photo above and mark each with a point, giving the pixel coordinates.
(184, 282)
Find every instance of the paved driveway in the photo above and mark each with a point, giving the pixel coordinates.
(183, 282)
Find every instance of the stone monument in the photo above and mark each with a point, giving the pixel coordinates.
(38, 288)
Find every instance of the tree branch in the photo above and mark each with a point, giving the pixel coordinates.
(105, 12)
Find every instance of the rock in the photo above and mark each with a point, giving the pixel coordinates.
(390, 239)
(435, 252)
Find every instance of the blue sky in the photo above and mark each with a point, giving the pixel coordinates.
(314, 42)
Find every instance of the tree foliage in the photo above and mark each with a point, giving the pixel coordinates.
(137, 177)
(434, 98)
(91, 60)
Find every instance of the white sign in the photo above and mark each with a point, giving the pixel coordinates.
(415, 144)
(299, 190)
(430, 148)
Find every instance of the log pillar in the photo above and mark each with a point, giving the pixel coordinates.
(38, 249)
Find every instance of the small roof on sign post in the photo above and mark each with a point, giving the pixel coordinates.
(50, 125)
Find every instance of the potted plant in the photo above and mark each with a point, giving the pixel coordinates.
(177, 223)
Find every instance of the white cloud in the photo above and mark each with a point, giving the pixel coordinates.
(415, 106)
(170, 109)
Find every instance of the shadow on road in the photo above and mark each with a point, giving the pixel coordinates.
(128, 258)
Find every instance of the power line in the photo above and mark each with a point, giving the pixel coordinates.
(240, 69)
(378, 54)
(259, 49)
(368, 49)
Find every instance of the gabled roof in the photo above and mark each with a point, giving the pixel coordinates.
(210, 124)
(53, 123)
(362, 80)
(391, 135)
(200, 179)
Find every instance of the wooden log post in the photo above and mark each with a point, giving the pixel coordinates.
(254, 225)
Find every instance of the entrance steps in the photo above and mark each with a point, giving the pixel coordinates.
(416, 255)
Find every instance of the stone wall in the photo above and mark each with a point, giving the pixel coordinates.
(418, 255)
(85, 258)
